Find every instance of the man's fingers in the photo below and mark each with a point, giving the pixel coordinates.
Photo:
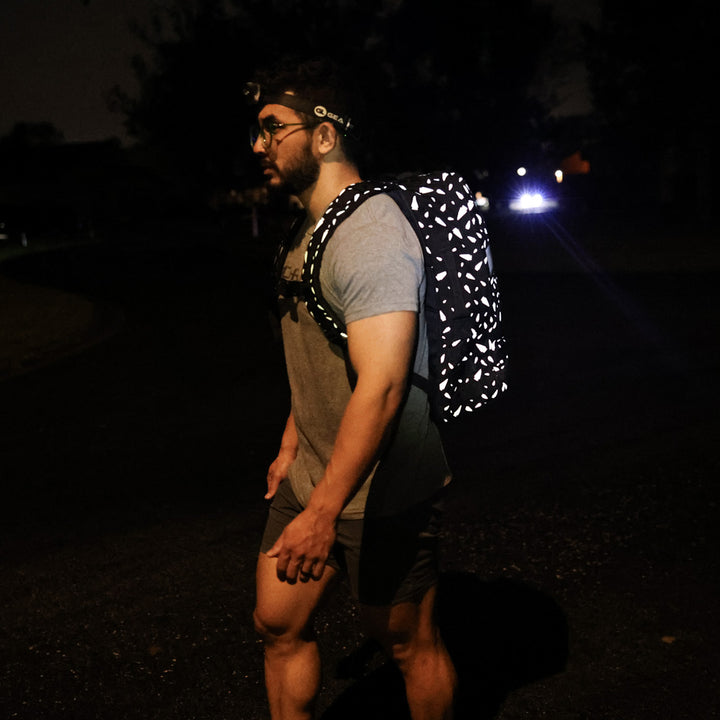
(273, 484)
(306, 572)
(285, 571)
(313, 571)
(274, 551)
(318, 569)
(298, 559)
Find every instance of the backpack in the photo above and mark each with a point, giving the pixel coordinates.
(467, 357)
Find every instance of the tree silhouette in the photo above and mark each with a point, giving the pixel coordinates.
(446, 85)
(650, 75)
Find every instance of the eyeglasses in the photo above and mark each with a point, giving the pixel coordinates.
(267, 129)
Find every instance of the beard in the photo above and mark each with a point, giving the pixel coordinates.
(300, 173)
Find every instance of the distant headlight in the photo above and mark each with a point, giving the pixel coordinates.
(532, 202)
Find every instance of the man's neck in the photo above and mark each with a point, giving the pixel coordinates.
(334, 178)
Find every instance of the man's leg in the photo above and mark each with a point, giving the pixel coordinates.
(410, 636)
(284, 617)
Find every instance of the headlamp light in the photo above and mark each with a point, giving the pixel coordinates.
(252, 92)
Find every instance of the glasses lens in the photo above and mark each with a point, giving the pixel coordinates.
(255, 133)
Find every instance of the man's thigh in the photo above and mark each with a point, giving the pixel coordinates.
(397, 560)
(283, 608)
(404, 625)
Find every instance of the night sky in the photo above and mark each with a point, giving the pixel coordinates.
(59, 59)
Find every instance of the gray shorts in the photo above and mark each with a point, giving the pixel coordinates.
(388, 560)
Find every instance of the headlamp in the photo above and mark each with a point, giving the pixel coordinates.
(254, 95)
(252, 92)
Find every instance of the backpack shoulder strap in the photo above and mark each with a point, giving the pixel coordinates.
(339, 209)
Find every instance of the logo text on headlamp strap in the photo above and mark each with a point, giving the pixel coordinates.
(254, 94)
(322, 112)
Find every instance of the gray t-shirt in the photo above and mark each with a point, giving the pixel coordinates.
(373, 264)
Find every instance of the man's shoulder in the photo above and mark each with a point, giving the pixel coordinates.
(379, 208)
(377, 227)
(377, 219)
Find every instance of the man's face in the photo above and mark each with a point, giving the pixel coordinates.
(285, 150)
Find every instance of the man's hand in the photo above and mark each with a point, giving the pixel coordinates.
(278, 471)
(303, 548)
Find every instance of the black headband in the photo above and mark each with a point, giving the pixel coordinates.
(253, 92)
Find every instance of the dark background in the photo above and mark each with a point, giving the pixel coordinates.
(143, 394)
(481, 87)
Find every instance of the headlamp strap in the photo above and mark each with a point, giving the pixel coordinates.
(305, 106)
(253, 92)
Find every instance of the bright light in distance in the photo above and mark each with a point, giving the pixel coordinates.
(559, 175)
(532, 202)
(522, 172)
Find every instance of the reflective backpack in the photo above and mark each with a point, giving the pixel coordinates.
(467, 355)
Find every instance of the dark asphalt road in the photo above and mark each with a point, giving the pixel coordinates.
(581, 574)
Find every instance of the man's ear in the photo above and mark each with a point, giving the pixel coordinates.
(328, 138)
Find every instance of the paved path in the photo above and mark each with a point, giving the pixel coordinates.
(585, 530)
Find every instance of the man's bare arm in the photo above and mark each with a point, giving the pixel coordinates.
(278, 471)
(381, 350)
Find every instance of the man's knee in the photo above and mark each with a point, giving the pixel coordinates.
(273, 629)
(408, 648)
(279, 628)
(405, 631)
(262, 627)
(397, 642)
(283, 612)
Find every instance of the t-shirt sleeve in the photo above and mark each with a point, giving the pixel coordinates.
(373, 263)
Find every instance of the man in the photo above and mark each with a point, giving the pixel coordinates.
(356, 483)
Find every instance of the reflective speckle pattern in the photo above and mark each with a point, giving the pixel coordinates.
(462, 301)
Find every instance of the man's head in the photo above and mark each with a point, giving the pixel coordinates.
(302, 108)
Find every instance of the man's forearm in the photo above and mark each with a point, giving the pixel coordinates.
(289, 441)
(369, 415)
(380, 349)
